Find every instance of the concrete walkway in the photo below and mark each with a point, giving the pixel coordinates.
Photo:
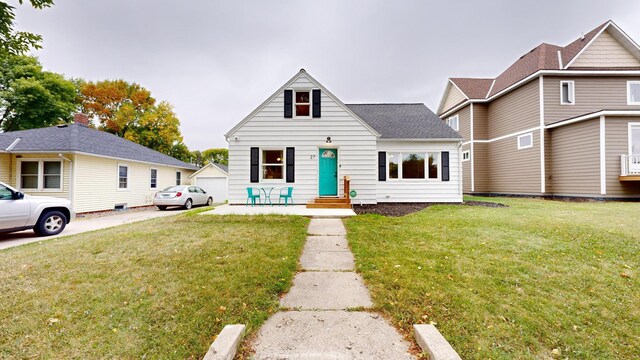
(80, 225)
(317, 324)
(278, 210)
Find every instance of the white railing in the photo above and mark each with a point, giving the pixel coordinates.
(629, 164)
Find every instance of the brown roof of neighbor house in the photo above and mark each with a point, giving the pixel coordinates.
(473, 88)
(542, 57)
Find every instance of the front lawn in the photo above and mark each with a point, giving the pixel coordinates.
(156, 289)
(539, 279)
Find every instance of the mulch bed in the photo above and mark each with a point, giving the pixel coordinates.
(401, 209)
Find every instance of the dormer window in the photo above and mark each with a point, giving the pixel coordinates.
(303, 103)
(567, 93)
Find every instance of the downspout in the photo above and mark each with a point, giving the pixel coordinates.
(70, 178)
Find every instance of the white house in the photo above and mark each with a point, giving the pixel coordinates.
(303, 136)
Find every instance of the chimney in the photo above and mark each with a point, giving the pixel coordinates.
(81, 119)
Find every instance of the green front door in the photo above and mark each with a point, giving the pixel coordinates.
(328, 172)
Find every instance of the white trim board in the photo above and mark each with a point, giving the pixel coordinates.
(594, 115)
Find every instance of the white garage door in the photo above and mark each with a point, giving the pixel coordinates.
(215, 187)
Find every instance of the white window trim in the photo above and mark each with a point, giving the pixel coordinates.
(40, 162)
(426, 165)
(630, 126)
(295, 113)
(468, 153)
(118, 177)
(176, 178)
(629, 83)
(523, 136)
(457, 118)
(150, 187)
(284, 165)
(572, 92)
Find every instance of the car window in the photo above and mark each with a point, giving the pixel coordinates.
(192, 189)
(200, 190)
(173, 189)
(5, 193)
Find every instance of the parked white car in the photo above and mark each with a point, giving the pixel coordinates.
(45, 215)
(182, 195)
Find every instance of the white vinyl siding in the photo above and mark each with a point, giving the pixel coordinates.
(268, 129)
(422, 190)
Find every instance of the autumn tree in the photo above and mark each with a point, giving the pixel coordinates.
(14, 42)
(33, 98)
(129, 111)
(216, 155)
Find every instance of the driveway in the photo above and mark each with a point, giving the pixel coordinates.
(80, 225)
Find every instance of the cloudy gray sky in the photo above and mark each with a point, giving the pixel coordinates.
(216, 61)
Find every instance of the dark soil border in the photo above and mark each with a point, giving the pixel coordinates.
(401, 209)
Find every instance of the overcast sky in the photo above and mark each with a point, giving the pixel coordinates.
(216, 61)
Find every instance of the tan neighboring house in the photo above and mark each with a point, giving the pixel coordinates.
(560, 121)
(94, 169)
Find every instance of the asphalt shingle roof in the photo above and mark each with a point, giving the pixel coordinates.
(404, 121)
(80, 138)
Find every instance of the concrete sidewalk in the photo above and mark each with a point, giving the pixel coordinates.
(80, 225)
(318, 323)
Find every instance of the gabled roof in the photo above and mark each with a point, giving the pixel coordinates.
(223, 168)
(83, 139)
(542, 57)
(404, 121)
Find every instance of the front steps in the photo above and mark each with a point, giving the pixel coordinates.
(329, 203)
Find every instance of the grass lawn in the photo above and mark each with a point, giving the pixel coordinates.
(157, 289)
(540, 279)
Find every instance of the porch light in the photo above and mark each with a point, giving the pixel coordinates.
(328, 139)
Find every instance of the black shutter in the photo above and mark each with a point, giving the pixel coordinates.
(445, 166)
(288, 104)
(316, 103)
(291, 161)
(382, 166)
(255, 165)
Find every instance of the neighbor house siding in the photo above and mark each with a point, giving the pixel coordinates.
(454, 97)
(617, 143)
(415, 190)
(515, 111)
(480, 121)
(548, 161)
(481, 174)
(576, 159)
(268, 129)
(5, 168)
(466, 171)
(53, 157)
(605, 51)
(591, 94)
(514, 171)
(96, 186)
(464, 122)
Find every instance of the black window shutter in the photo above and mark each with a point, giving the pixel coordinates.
(288, 103)
(255, 165)
(291, 167)
(445, 166)
(316, 103)
(382, 166)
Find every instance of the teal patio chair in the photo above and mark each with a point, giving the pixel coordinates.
(285, 193)
(253, 194)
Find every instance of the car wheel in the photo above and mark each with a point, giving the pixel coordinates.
(188, 204)
(50, 223)
(162, 207)
(209, 201)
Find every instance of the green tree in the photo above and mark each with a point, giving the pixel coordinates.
(14, 42)
(197, 159)
(129, 111)
(217, 155)
(33, 98)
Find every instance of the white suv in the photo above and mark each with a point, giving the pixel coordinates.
(45, 215)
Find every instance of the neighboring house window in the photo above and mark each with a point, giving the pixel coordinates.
(466, 155)
(525, 141)
(273, 164)
(567, 93)
(154, 178)
(41, 175)
(178, 178)
(123, 176)
(633, 92)
(303, 103)
(454, 122)
(413, 165)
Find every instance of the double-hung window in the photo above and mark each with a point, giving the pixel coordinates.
(40, 175)
(454, 122)
(303, 103)
(123, 177)
(153, 179)
(567, 93)
(178, 177)
(466, 155)
(272, 164)
(413, 165)
(633, 92)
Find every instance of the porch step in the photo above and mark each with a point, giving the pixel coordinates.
(335, 205)
(330, 200)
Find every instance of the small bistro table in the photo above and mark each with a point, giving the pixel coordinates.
(267, 194)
